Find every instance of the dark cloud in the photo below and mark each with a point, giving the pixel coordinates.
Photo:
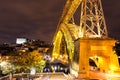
(38, 19)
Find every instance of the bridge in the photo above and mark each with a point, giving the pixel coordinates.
(82, 36)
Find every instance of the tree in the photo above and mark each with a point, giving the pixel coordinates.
(27, 60)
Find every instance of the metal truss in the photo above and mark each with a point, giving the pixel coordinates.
(92, 19)
(92, 22)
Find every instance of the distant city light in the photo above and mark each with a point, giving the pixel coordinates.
(21, 40)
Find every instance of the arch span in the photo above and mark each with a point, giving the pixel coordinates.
(63, 32)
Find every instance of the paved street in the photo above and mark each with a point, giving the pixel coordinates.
(53, 76)
(61, 76)
(103, 76)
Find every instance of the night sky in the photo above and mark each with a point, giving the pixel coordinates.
(38, 19)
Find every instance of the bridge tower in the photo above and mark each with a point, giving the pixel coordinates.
(92, 19)
(82, 35)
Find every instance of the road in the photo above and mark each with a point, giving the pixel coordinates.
(103, 76)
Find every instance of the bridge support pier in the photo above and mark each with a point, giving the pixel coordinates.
(100, 51)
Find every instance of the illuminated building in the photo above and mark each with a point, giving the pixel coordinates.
(21, 40)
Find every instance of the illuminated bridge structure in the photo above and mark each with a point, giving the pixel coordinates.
(82, 36)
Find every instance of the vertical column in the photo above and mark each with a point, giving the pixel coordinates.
(84, 60)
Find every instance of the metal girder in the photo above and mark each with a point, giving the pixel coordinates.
(92, 19)
(69, 10)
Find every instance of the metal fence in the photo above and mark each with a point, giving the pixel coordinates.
(20, 76)
(37, 76)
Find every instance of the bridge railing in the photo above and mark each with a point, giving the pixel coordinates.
(18, 76)
(5, 78)
(28, 76)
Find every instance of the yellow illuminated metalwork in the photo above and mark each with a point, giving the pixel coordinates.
(69, 41)
(56, 49)
(91, 33)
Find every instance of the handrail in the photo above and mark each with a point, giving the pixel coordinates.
(26, 75)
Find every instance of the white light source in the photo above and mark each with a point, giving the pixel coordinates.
(21, 40)
(32, 71)
(118, 56)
